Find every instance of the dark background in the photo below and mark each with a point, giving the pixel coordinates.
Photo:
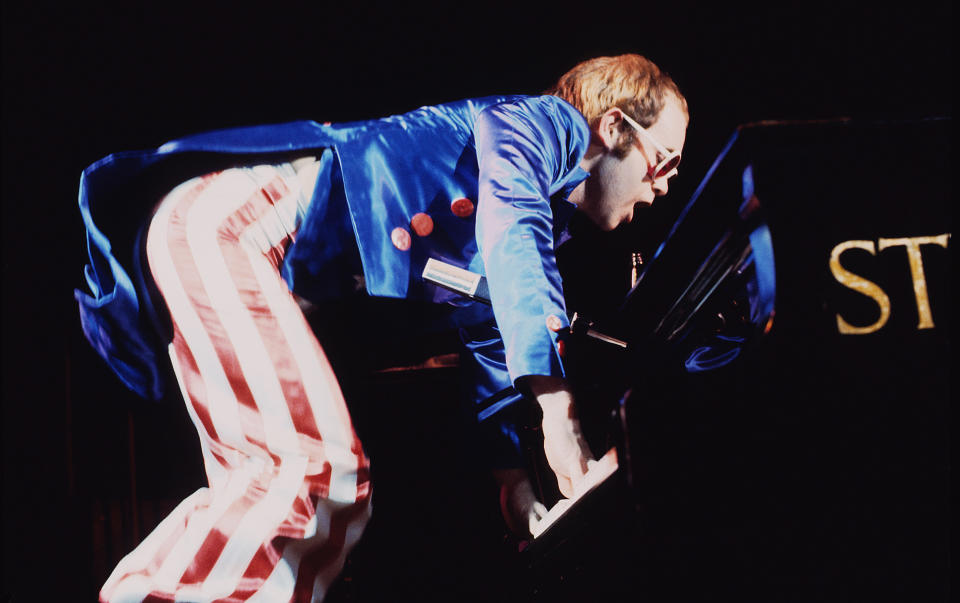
(82, 81)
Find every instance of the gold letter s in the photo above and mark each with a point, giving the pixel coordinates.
(861, 285)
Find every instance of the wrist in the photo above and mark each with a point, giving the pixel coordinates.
(544, 385)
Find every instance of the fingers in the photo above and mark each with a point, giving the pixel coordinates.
(568, 467)
(536, 514)
(518, 503)
(565, 484)
(567, 452)
(539, 509)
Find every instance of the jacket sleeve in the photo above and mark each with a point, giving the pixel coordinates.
(525, 149)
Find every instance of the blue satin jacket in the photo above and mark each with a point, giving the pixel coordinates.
(515, 157)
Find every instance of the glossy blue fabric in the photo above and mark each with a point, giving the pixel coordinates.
(110, 316)
(516, 157)
(519, 171)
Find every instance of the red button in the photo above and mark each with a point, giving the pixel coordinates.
(422, 224)
(400, 238)
(462, 207)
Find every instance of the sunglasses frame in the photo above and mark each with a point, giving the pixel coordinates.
(667, 167)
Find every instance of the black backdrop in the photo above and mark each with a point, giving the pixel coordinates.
(82, 81)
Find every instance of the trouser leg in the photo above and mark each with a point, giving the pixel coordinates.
(289, 487)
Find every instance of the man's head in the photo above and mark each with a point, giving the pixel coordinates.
(612, 92)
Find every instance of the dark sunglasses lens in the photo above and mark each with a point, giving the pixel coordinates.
(668, 165)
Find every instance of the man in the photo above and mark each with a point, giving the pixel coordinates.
(483, 185)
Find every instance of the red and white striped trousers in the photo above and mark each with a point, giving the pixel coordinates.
(289, 491)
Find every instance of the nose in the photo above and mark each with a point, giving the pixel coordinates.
(660, 186)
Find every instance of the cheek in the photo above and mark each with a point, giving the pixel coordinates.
(634, 177)
(621, 186)
(633, 188)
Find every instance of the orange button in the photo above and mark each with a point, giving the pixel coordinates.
(422, 224)
(462, 207)
(400, 238)
(554, 323)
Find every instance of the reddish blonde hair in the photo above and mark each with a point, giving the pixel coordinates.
(628, 81)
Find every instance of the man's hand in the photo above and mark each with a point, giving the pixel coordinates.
(563, 443)
(519, 505)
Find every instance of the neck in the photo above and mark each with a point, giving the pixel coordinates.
(588, 162)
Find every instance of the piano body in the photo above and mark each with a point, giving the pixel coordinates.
(776, 383)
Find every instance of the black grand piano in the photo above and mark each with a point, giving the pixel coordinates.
(776, 382)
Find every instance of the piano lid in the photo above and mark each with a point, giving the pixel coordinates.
(760, 229)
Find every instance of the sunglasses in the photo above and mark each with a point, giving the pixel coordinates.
(668, 165)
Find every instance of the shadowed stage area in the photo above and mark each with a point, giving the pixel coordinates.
(814, 467)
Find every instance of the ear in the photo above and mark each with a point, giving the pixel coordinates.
(608, 129)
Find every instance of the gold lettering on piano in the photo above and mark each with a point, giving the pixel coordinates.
(873, 291)
(916, 271)
(860, 285)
